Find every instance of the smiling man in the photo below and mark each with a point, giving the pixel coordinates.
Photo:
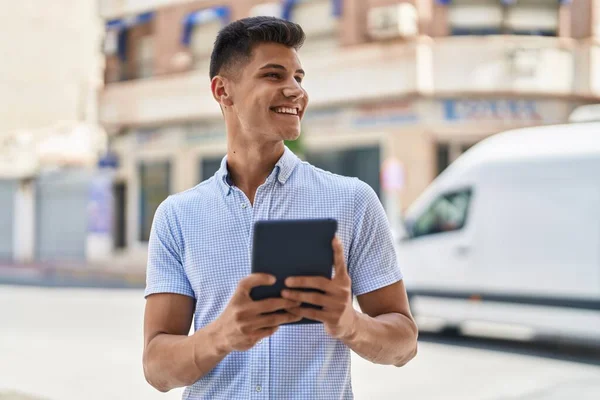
(199, 252)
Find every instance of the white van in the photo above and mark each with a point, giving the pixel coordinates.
(506, 241)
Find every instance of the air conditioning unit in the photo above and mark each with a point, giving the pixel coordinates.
(524, 61)
(400, 20)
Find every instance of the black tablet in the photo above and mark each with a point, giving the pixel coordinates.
(285, 248)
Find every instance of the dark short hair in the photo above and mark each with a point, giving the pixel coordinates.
(235, 42)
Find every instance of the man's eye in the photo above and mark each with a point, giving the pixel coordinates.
(298, 79)
(273, 75)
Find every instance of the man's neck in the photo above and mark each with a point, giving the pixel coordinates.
(249, 164)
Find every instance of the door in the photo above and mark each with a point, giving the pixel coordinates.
(436, 255)
(8, 190)
(209, 166)
(363, 163)
(61, 215)
(155, 187)
(120, 225)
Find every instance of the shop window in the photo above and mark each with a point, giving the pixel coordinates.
(447, 153)
(446, 214)
(154, 188)
(443, 157)
(494, 17)
(363, 163)
(209, 166)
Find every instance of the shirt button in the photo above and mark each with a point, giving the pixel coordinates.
(244, 205)
(258, 388)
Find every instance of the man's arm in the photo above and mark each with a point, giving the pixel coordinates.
(386, 333)
(173, 359)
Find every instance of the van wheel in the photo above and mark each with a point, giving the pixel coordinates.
(450, 331)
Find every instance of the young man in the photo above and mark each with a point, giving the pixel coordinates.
(199, 251)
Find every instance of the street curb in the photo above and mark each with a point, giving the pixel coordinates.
(70, 278)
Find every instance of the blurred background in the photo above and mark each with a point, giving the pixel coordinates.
(105, 110)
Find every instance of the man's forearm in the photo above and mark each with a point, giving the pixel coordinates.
(172, 361)
(389, 339)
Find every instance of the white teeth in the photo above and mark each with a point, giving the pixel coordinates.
(285, 110)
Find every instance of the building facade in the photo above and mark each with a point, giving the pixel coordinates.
(50, 76)
(399, 88)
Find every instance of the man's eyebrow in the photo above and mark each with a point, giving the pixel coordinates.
(279, 66)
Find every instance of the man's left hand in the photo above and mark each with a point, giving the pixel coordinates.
(338, 315)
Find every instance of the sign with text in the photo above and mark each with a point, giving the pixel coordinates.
(491, 110)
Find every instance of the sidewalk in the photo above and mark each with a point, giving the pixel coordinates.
(71, 275)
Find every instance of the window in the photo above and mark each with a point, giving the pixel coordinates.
(443, 157)
(489, 17)
(363, 163)
(319, 22)
(200, 29)
(209, 166)
(129, 49)
(447, 153)
(446, 214)
(144, 56)
(154, 188)
(318, 18)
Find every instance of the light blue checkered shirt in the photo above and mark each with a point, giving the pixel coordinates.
(200, 246)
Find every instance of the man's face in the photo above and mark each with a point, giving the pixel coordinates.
(267, 95)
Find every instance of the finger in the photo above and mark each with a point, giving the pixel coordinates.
(266, 332)
(270, 305)
(310, 313)
(339, 263)
(309, 282)
(272, 320)
(317, 299)
(253, 280)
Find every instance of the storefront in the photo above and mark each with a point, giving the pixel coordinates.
(62, 200)
(423, 135)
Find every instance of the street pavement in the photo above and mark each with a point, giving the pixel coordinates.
(68, 344)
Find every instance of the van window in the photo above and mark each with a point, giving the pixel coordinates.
(446, 214)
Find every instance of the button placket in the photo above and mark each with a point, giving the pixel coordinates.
(260, 357)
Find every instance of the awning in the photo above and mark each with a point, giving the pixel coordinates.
(287, 7)
(202, 17)
(120, 26)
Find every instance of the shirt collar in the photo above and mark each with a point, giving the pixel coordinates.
(282, 171)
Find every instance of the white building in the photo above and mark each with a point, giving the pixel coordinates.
(50, 77)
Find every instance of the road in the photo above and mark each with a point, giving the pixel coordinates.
(68, 344)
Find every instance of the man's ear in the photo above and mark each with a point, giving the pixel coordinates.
(220, 90)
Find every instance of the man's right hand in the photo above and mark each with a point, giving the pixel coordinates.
(243, 323)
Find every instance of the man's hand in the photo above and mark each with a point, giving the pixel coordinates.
(338, 315)
(243, 323)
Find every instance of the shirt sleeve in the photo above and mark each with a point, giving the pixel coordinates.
(372, 261)
(165, 272)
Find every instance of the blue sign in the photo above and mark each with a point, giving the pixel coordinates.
(100, 206)
(490, 110)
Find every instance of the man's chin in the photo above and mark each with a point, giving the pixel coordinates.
(290, 135)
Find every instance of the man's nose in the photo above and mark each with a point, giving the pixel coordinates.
(293, 91)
